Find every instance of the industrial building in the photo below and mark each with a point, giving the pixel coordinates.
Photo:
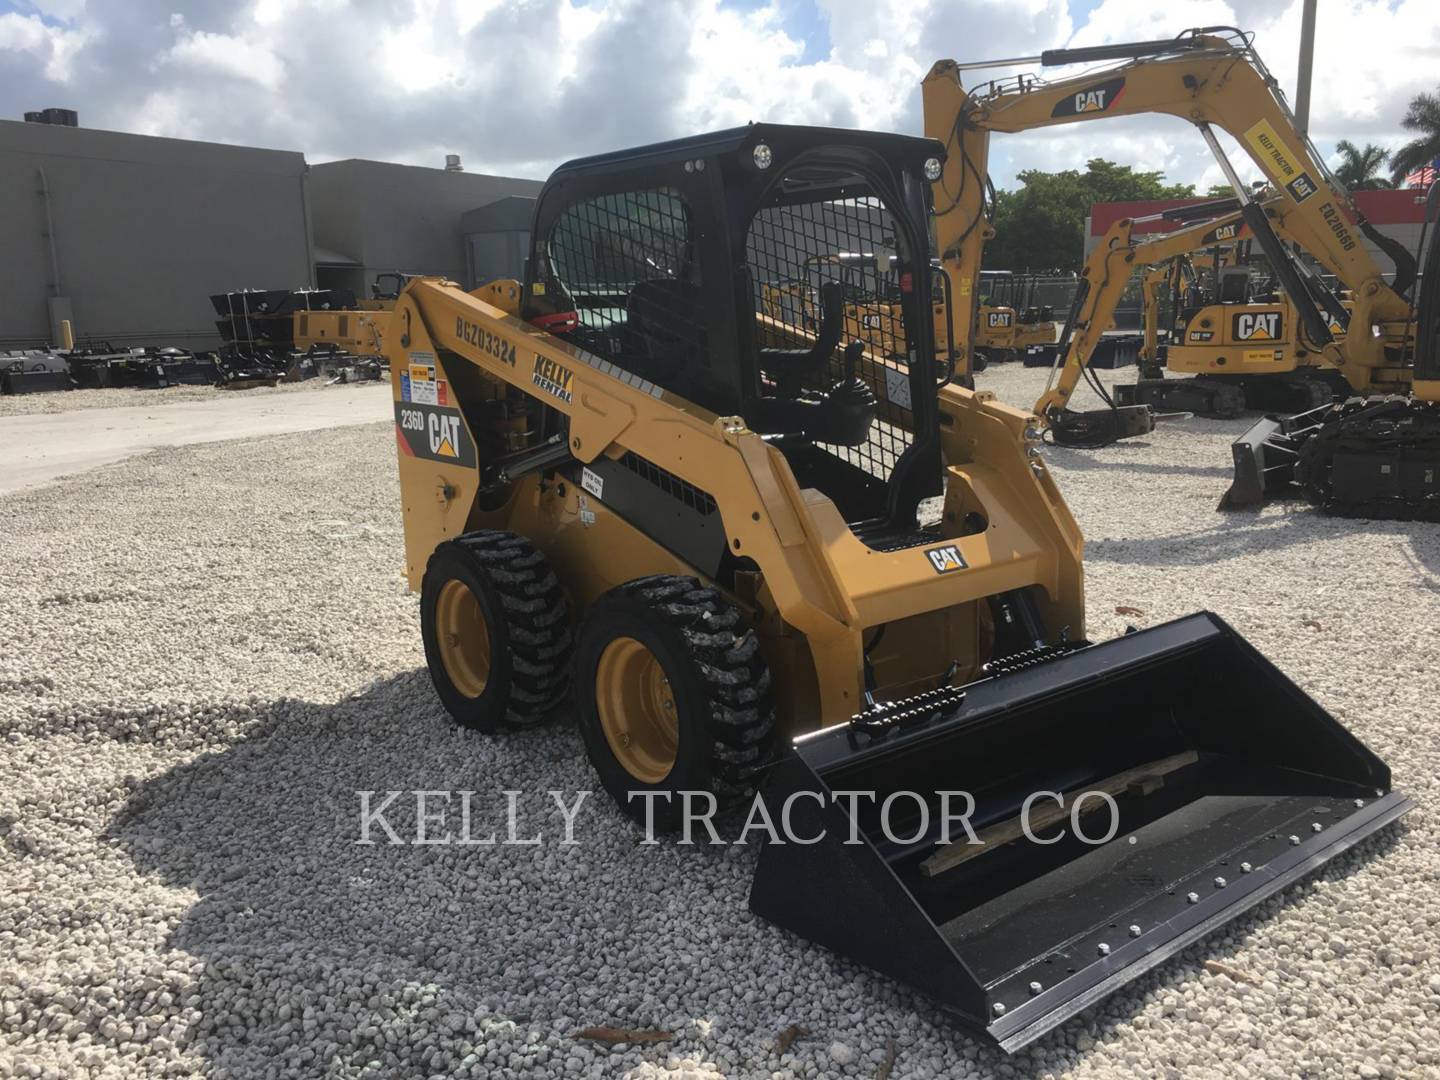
(127, 236)
(497, 239)
(373, 217)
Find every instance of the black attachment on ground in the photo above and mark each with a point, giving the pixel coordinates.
(1201, 396)
(1098, 428)
(1264, 458)
(1224, 791)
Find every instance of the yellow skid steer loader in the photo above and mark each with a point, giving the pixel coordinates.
(756, 552)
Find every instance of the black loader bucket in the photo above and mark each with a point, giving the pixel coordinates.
(1228, 783)
(1265, 457)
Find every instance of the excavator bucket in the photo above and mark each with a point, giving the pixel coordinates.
(1224, 781)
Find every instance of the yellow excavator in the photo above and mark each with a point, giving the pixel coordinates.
(1377, 455)
(871, 286)
(1237, 352)
(1103, 280)
(1234, 332)
(754, 551)
(1007, 325)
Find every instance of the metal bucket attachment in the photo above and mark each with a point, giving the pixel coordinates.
(1265, 457)
(1228, 783)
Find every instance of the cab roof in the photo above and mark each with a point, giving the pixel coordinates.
(785, 140)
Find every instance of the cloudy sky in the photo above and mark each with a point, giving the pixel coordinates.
(515, 86)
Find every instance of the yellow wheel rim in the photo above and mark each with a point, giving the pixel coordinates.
(637, 710)
(463, 638)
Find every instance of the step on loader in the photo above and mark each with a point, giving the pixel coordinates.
(751, 552)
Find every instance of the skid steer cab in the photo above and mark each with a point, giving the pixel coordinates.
(667, 484)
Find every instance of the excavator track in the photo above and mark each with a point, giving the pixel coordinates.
(1375, 459)
(1286, 393)
(1200, 395)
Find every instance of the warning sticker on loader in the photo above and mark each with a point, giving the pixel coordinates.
(897, 388)
(438, 434)
(421, 386)
(592, 482)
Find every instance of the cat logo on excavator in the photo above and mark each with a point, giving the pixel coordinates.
(1257, 326)
(1097, 98)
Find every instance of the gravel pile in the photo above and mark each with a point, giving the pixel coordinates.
(122, 397)
(200, 666)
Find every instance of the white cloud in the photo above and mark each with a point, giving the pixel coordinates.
(519, 86)
(54, 47)
(236, 56)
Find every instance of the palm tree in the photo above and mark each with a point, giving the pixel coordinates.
(1424, 117)
(1359, 170)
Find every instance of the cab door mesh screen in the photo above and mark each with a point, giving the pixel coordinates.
(792, 250)
(627, 261)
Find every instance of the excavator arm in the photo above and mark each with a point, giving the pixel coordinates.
(1103, 281)
(1150, 284)
(1212, 79)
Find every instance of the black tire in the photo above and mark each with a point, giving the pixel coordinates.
(525, 616)
(719, 680)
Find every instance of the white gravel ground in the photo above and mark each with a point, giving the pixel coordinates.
(204, 657)
(124, 397)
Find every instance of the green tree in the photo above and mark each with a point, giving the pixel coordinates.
(1359, 170)
(1422, 116)
(1041, 225)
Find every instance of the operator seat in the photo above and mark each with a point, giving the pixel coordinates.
(666, 328)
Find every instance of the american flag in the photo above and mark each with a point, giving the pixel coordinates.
(1424, 176)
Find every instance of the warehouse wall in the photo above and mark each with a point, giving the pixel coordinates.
(145, 229)
(399, 217)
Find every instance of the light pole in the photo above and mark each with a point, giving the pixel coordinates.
(1307, 63)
